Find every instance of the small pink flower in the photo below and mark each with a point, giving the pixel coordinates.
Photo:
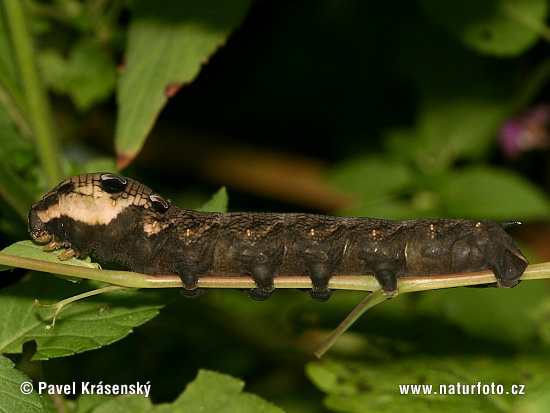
(526, 132)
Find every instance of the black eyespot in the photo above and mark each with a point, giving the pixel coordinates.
(159, 203)
(113, 183)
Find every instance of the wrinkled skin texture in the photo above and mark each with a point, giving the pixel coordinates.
(118, 219)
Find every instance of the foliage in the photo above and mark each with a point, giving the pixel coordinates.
(422, 108)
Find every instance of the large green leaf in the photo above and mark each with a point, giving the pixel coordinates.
(209, 392)
(167, 44)
(13, 384)
(497, 27)
(88, 324)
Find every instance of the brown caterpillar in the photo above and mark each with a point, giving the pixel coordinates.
(118, 219)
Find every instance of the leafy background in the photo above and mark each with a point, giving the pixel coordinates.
(397, 109)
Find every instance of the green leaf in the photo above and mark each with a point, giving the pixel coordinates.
(167, 44)
(353, 386)
(362, 176)
(11, 397)
(87, 75)
(496, 27)
(450, 128)
(218, 202)
(30, 249)
(497, 194)
(486, 313)
(85, 325)
(216, 392)
(209, 392)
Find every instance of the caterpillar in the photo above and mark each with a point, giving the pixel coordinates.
(117, 219)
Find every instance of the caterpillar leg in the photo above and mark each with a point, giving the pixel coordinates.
(387, 280)
(262, 274)
(190, 289)
(320, 274)
(385, 271)
(189, 274)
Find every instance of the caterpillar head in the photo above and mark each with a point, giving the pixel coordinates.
(88, 203)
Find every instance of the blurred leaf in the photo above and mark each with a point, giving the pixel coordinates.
(362, 176)
(11, 397)
(497, 194)
(461, 126)
(488, 313)
(15, 150)
(378, 183)
(87, 75)
(96, 164)
(449, 128)
(355, 387)
(167, 44)
(218, 202)
(496, 27)
(85, 325)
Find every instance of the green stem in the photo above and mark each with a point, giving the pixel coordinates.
(368, 302)
(340, 282)
(35, 94)
(59, 306)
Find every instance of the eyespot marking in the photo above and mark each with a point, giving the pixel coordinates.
(159, 203)
(113, 183)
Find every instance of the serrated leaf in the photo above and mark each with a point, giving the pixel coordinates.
(218, 202)
(497, 27)
(209, 392)
(85, 325)
(167, 44)
(11, 397)
(216, 392)
(353, 386)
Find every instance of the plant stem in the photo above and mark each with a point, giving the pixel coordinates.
(35, 94)
(59, 306)
(342, 282)
(368, 302)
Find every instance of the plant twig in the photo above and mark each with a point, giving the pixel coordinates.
(339, 282)
(35, 94)
(59, 305)
(368, 302)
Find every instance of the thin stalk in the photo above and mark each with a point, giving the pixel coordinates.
(368, 302)
(59, 306)
(35, 94)
(339, 282)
